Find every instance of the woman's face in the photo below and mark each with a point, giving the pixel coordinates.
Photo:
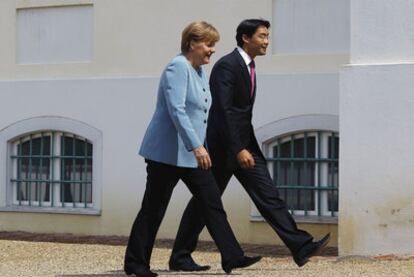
(202, 51)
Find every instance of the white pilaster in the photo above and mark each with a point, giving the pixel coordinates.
(377, 131)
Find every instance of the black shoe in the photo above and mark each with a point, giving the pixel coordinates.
(309, 250)
(187, 266)
(139, 271)
(244, 261)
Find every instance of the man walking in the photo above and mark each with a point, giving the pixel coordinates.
(234, 151)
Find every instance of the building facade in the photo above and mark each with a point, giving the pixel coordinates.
(78, 82)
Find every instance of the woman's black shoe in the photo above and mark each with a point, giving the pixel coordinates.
(188, 266)
(244, 261)
(139, 271)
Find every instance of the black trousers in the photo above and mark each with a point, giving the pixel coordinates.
(161, 180)
(258, 184)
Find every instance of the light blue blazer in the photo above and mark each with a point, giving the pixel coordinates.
(179, 122)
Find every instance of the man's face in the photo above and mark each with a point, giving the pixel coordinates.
(257, 44)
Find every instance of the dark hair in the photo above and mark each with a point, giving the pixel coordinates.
(248, 27)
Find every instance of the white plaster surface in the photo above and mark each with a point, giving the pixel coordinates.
(55, 34)
(376, 199)
(121, 109)
(382, 31)
(376, 160)
(310, 26)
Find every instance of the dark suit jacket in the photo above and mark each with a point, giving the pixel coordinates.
(230, 121)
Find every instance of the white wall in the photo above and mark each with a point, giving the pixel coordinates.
(377, 131)
(286, 95)
(131, 37)
(382, 31)
(310, 26)
(115, 92)
(119, 108)
(138, 37)
(376, 160)
(54, 34)
(122, 108)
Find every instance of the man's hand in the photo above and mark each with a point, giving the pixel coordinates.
(245, 159)
(202, 156)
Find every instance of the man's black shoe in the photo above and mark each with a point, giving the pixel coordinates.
(139, 271)
(188, 266)
(244, 261)
(309, 250)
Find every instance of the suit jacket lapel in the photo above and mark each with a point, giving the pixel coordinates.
(245, 72)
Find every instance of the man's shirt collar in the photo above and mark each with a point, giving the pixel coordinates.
(245, 56)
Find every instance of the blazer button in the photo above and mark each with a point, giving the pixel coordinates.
(205, 110)
(205, 121)
(206, 100)
(204, 89)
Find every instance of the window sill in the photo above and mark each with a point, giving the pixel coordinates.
(51, 210)
(304, 219)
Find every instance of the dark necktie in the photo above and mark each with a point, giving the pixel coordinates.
(252, 76)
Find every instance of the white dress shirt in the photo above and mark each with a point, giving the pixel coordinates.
(245, 57)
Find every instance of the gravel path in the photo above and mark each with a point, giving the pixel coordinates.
(22, 258)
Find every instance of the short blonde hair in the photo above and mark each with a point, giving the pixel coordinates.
(198, 31)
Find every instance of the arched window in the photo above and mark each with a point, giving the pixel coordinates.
(51, 164)
(304, 167)
(52, 169)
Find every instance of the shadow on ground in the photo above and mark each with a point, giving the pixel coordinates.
(203, 246)
(160, 273)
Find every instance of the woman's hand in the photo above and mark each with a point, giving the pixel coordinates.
(203, 158)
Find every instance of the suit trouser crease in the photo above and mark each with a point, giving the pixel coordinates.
(161, 180)
(258, 184)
